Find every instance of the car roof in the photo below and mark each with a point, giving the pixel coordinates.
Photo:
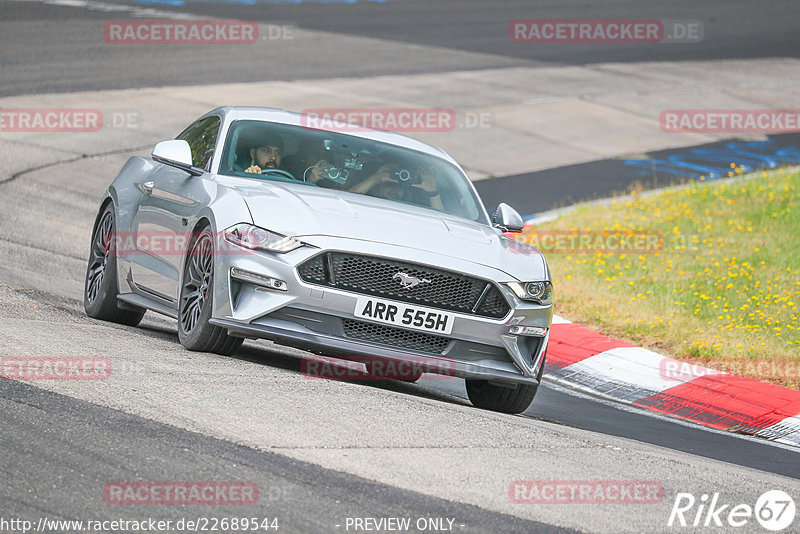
(282, 116)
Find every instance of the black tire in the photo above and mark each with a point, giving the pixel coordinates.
(100, 289)
(513, 400)
(196, 301)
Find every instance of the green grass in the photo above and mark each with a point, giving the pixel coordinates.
(723, 288)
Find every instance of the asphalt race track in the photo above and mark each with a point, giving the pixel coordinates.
(325, 452)
(36, 59)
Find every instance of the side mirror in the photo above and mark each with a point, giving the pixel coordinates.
(176, 153)
(507, 219)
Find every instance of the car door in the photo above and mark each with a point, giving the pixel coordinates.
(166, 213)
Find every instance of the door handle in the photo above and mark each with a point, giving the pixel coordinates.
(148, 186)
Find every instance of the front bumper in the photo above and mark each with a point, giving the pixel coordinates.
(317, 318)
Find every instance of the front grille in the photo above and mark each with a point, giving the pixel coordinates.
(382, 277)
(394, 337)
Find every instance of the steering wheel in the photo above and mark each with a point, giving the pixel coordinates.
(279, 172)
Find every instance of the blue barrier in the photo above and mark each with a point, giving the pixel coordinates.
(705, 162)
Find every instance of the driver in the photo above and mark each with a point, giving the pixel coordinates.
(266, 154)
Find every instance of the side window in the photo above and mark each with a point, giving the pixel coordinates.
(202, 137)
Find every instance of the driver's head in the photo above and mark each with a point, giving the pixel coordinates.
(267, 152)
(260, 145)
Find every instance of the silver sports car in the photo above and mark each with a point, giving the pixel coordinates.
(357, 244)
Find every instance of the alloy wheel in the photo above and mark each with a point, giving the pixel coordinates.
(197, 282)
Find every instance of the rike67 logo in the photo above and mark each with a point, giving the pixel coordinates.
(774, 510)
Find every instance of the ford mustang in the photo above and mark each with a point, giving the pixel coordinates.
(352, 243)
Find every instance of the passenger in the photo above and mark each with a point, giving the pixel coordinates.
(385, 181)
(389, 190)
(309, 165)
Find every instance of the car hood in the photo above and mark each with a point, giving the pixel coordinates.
(305, 212)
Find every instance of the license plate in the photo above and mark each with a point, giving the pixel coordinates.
(405, 315)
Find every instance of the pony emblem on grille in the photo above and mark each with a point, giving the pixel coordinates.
(408, 281)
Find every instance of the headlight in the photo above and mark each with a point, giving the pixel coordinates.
(255, 238)
(540, 292)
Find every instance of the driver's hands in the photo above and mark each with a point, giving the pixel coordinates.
(253, 169)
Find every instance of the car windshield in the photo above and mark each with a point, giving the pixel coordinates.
(319, 158)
